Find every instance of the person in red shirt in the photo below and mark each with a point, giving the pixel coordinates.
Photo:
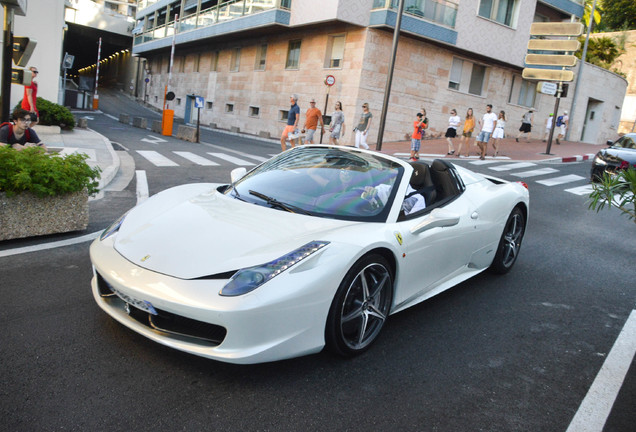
(416, 138)
(30, 97)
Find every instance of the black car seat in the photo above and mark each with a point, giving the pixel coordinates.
(422, 182)
(443, 179)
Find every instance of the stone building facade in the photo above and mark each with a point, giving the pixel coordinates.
(246, 64)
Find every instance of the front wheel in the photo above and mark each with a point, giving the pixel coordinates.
(360, 306)
(510, 242)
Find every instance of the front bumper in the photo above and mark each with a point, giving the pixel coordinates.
(282, 319)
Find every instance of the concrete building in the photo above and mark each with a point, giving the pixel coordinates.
(245, 57)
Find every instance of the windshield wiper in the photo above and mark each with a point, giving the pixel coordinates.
(281, 205)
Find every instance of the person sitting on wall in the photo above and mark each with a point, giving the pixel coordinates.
(19, 135)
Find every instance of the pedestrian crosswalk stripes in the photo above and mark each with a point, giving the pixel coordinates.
(534, 173)
(511, 166)
(199, 160)
(561, 180)
(581, 190)
(231, 159)
(157, 158)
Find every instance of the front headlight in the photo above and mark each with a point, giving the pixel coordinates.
(248, 279)
(598, 160)
(113, 228)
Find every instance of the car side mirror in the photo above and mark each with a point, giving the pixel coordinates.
(437, 218)
(237, 174)
(609, 143)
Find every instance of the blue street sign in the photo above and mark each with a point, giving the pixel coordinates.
(198, 101)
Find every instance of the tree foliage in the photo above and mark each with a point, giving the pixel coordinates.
(617, 15)
(601, 51)
(616, 191)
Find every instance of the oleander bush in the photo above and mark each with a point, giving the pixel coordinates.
(52, 114)
(33, 170)
(616, 191)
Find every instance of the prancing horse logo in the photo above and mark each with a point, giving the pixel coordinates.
(144, 259)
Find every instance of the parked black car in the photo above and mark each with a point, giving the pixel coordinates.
(620, 154)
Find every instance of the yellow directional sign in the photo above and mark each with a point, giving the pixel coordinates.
(554, 45)
(550, 60)
(556, 29)
(547, 74)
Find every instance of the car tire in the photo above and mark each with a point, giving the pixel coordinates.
(510, 242)
(360, 307)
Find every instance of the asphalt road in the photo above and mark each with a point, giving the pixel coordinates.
(497, 353)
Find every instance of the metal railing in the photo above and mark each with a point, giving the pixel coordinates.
(224, 11)
(437, 11)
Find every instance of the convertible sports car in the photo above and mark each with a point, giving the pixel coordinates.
(619, 155)
(315, 247)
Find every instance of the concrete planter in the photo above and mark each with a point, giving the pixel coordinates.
(25, 215)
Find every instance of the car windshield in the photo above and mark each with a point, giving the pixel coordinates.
(323, 181)
(628, 141)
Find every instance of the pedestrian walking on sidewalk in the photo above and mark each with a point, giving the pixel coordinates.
(313, 116)
(337, 125)
(293, 118)
(416, 138)
(487, 124)
(526, 125)
(548, 126)
(469, 127)
(499, 134)
(29, 100)
(451, 132)
(362, 130)
(563, 122)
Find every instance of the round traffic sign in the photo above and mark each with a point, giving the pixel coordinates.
(330, 80)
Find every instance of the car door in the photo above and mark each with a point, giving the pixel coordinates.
(437, 247)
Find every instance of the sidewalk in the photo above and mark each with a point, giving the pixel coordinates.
(101, 153)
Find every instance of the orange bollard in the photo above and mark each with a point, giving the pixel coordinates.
(96, 102)
(166, 122)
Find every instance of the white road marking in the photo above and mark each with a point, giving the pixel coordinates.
(111, 116)
(154, 139)
(199, 160)
(537, 172)
(142, 186)
(231, 159)
(512, 166)
(92, 157)
(156, 158)
(561, 180)
(258, 158)
(55, 244)
(597, 404)
(581, 190)
(484, 162)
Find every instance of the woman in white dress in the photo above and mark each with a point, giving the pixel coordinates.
(336, 127)
(498, 133)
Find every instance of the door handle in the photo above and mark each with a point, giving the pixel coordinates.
(475, 215)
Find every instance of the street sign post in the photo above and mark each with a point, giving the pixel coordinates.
(329, 81)
(554, 65)
(198, 104)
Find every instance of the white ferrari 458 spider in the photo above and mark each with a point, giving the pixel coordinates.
(315, 247)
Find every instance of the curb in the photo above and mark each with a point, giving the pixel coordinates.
(110, 172)
(578, 158)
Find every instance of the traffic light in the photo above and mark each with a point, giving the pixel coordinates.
(21, 76)
(22, 49)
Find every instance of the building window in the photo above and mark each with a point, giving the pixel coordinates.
(502, 11)
(229, 108)
(282, 115)
(254, 111)
(180, 64)
(261, 56)
(335, 51)
(178, 101)
(467, 77)
(293, 55)
(197, 62)
(455, 74)
(522, 92)
(208, 105)
(235, 60)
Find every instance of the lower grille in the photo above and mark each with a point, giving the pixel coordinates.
(165, 322)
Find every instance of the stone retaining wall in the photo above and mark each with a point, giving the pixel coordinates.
(25, 215)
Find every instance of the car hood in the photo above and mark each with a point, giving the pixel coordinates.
(616, 155)
(194, 231)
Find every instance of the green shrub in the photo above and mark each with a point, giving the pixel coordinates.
(52, 114)
(616, 191)
(33, 170)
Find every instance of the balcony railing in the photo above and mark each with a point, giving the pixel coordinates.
(438, 11)
(222, 12)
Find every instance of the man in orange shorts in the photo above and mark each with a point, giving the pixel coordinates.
(293, 118)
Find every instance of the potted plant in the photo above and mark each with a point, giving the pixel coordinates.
(43, 193)
(616, 190)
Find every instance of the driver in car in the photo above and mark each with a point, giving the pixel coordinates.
(413, 201)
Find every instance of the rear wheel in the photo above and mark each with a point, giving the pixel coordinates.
(510, 242)
(360, 307)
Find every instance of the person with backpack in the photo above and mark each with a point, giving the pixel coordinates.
(563, 122)
(19, 135)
